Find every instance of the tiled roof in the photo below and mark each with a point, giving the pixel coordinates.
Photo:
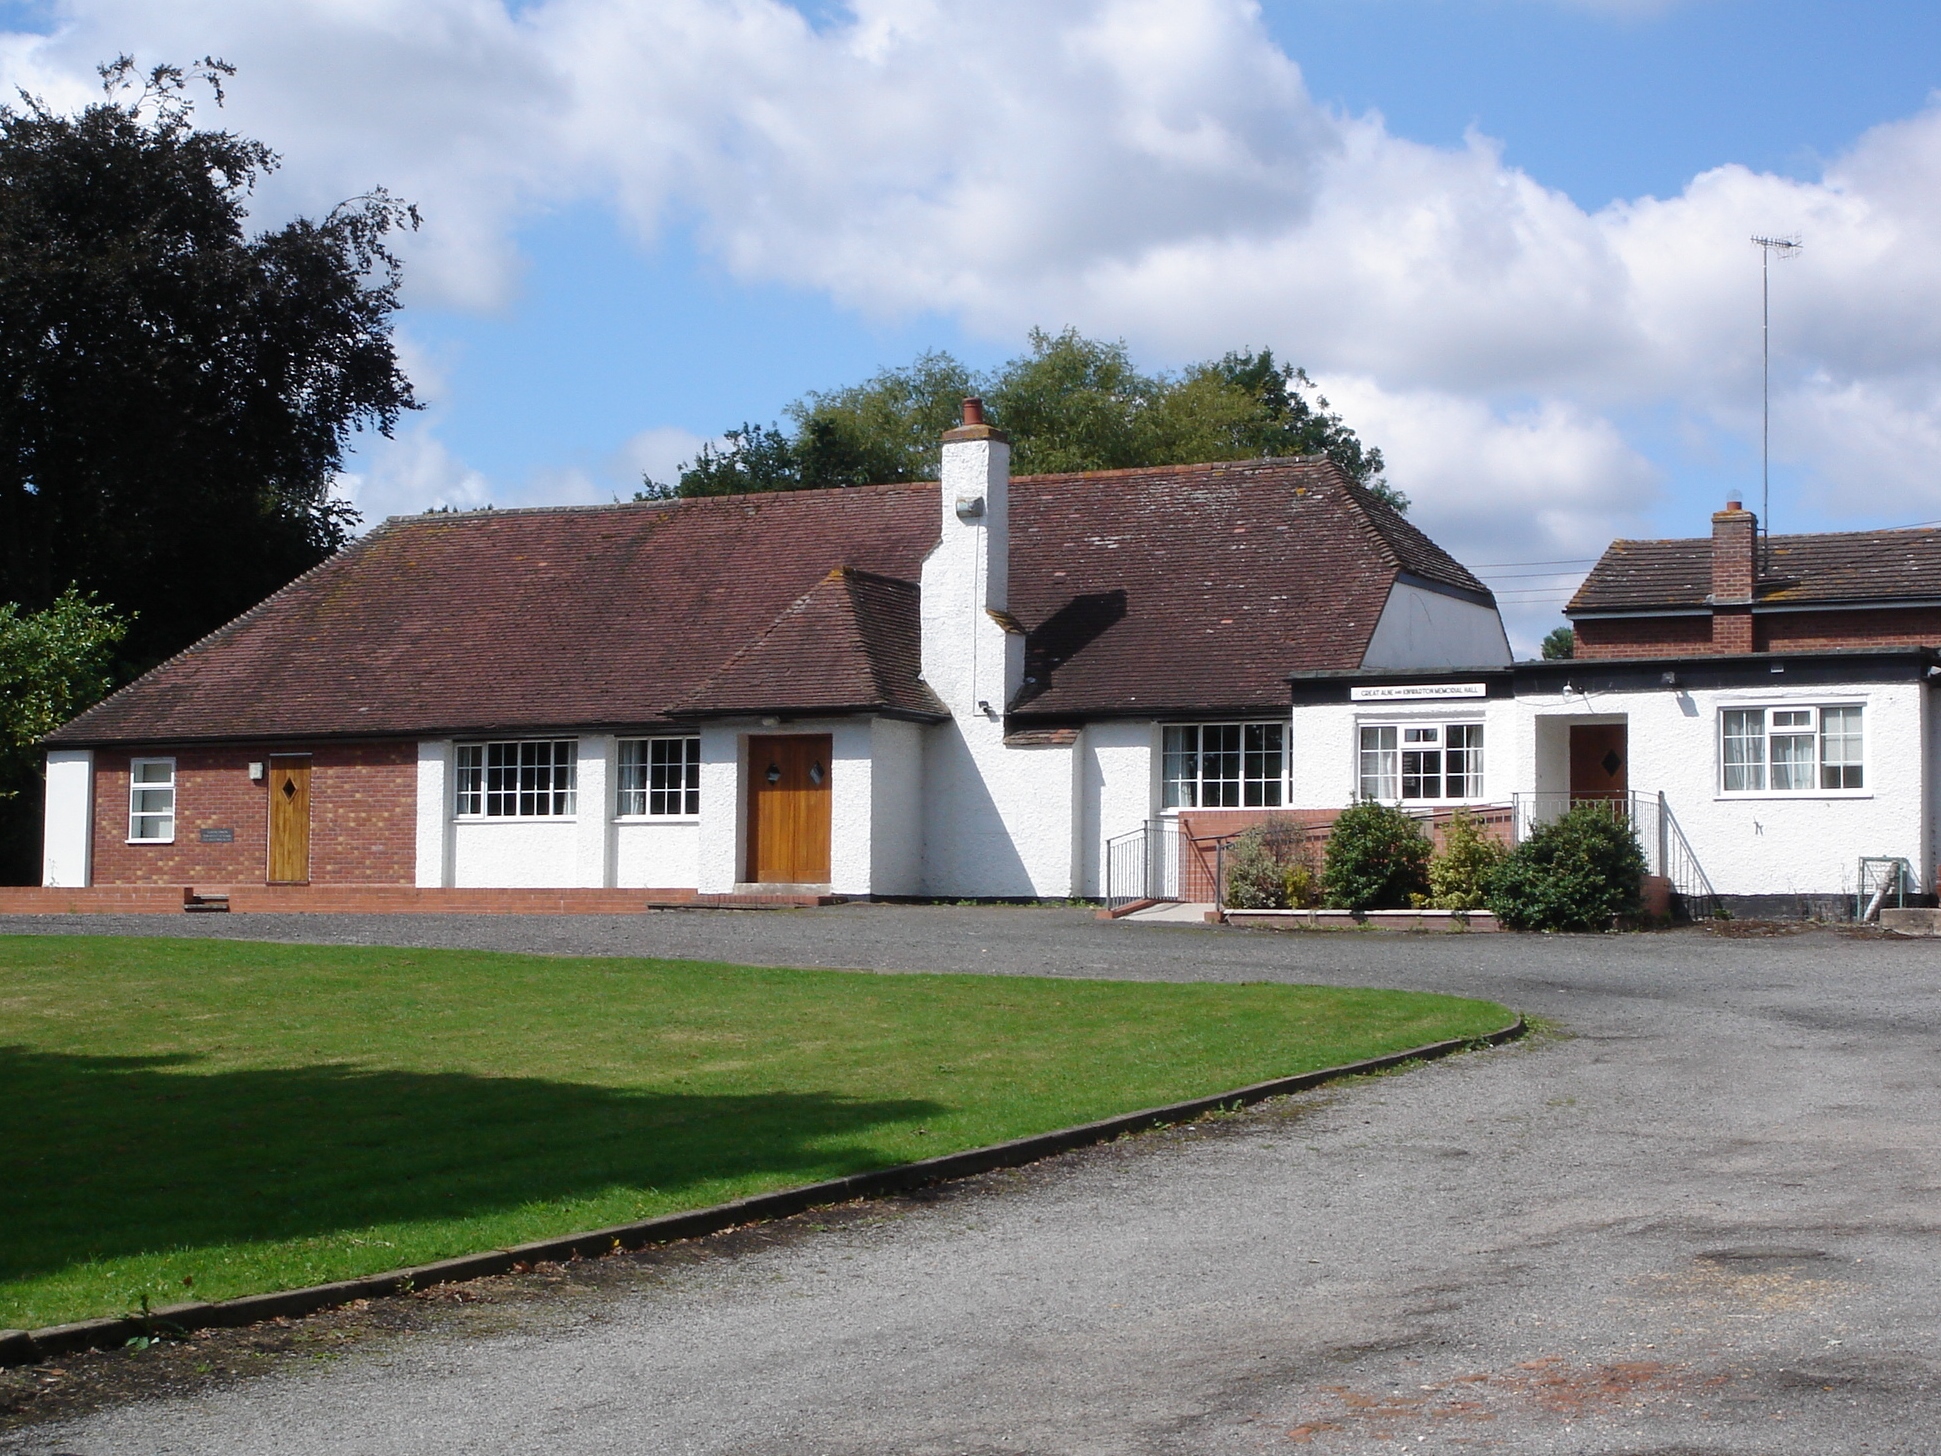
(1201, 587)
(852, 642)
(1835, 566)
(1164, 590)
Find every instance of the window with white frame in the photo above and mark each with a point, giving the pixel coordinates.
(659, 777)
(151, 800)
(1791, 750)
(523, 779)
(1225, 766)
(1421, 762)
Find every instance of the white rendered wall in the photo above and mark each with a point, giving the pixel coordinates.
(851, 796)
(1421, 628)
(1747, 845)
(514, 854)
(896, 808)
(1324, 765)
(657, 854)
(722, 836)
(68, 823)
(596, 779)
(1119, 772)
(572, 851)
(997, 821)
(718, 840)
(1772, 843)
(435, 813)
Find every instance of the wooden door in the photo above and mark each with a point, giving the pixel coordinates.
(788, 809)
(290, 820)
(1599, 761)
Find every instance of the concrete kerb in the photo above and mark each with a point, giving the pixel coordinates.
(26, 1347)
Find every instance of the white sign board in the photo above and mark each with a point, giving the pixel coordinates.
(1408, 691)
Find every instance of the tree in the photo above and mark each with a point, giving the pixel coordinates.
(1559, 643)
(1069, 403)
(53, 664)
(178, 396)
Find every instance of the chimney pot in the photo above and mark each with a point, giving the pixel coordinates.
(973, 411)
(1732, 504)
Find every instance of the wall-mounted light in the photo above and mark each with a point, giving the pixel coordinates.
(256, 773)
(969, 507)
(1669, 679)
(771, 722)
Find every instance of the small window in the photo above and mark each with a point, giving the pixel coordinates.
(1421, 762)
(151, 800)
(529, 779)
(1225, 766)
(1791, 750)
(659, 777)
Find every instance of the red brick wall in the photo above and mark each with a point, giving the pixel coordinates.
(1741, 632)
(1645, 637)
(363, 816)
(1886, 627)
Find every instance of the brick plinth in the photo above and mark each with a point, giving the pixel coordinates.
(378, 900)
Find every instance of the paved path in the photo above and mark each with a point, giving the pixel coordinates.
(1701, 1219)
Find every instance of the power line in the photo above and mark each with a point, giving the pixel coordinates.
(1563, 561)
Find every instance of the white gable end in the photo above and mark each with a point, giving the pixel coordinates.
(1430, 629)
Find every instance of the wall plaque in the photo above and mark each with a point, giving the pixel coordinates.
(218, 836)
(1403, 692)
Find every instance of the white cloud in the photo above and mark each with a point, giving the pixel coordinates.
(411, 472)
(1147, 168)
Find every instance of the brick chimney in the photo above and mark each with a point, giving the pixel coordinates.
(1735, 548)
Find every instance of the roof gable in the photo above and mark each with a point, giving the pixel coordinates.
(851, 643)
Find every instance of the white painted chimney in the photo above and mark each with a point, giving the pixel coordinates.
(973, 657)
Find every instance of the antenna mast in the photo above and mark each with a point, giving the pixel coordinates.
(1768, 247)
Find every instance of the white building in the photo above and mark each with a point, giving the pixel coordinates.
(964, 689)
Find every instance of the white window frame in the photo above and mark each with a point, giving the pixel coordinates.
(1249, 750)
(1387, 761)
(137, 812)
(643, 788)
(1793, 723)
(484, 783)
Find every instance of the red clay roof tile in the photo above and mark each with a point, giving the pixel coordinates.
(1180, 589)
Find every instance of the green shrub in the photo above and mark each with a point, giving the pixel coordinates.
(1575, 873)
(1460, 871)
(1255, 878)
(1271, 867)
(1301, 886)
(1377, 858)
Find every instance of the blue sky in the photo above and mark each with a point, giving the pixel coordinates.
(649, 222)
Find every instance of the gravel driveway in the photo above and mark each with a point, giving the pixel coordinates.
(1698, 1216)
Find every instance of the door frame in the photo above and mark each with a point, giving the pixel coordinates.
(269, 813)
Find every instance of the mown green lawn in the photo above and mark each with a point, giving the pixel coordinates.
(201, 1119)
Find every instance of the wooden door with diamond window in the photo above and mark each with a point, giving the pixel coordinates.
(788, 809)
(1599, 761)
(290, 820)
